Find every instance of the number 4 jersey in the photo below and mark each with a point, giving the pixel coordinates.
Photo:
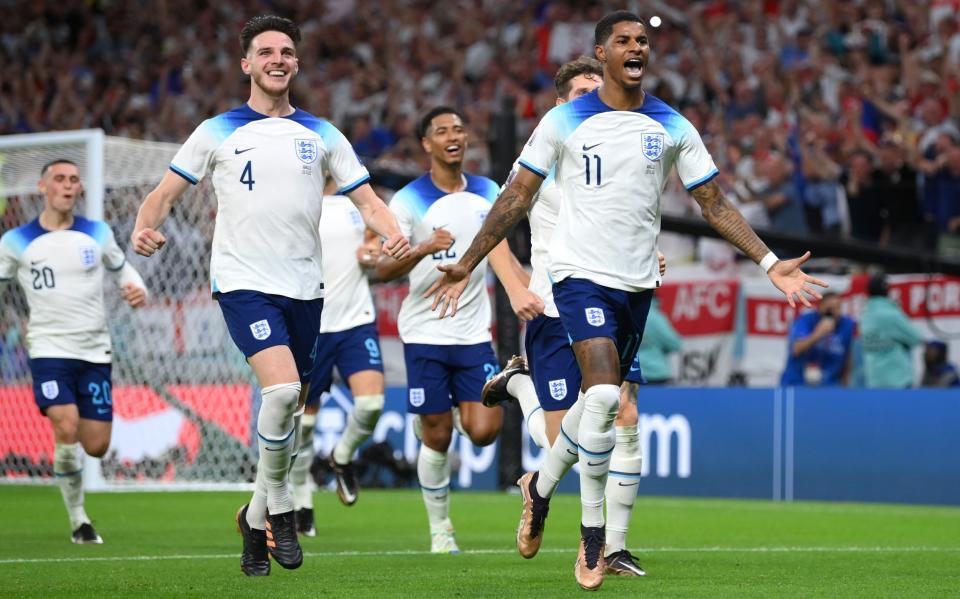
(268, 174)
(611, 166)
(61, 273)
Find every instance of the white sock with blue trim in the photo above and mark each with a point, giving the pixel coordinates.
(622, 486)
(276, 436)
(360, 425)
(433, 472)
(563, 455)
(521, 387)
(68, 470)
(596, 438)
(299, 481)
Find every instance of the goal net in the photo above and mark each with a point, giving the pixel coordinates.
(182, 394)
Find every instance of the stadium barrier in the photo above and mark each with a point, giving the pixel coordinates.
(782, 444)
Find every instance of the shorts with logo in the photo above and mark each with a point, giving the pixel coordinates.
(61, 381)
(553, 365)
(635, 374)
(259, 320)
(441, 376)
(351, 351)
(588, 311)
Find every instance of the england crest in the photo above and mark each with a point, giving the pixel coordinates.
(652, 145)
(417, 397)
(307, 150)
(88, 255)
(558, 389)
(595, 317)
(50, 389)
(260, 329)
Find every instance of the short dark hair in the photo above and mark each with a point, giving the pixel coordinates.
(434, 113)
(581, 66)
(261, 23)
(605, 25)
(43, 171)
(877, 286)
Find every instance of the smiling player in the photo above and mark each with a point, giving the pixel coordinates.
(268, 161)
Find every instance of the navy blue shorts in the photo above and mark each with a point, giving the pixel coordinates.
(351, 351)
(553, 366)
(258, 320)
(61, 381)
(635, 375)
(440, 376)
(589, 311)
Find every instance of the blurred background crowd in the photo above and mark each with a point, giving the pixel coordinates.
(833, 117)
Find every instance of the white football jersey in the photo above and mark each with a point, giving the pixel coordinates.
(61, 274)
(268, 175)
(347, 302)
(611, 167)
(420, 208)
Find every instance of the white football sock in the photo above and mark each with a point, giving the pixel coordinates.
(68, 470)
(622, 486)
(596, 438)
(276, 435)
(433, 471)
(360, 425)
(299, 482)
(521, 387)
(257, 511)
(564, 453)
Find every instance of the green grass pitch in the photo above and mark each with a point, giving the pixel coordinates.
(185, 544)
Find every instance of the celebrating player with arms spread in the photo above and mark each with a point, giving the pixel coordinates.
(58, 258)
(603, 252)
(269, 161)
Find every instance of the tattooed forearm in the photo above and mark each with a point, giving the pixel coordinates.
(507, 211)
(727, 220)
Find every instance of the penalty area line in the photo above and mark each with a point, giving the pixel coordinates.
(402, 553)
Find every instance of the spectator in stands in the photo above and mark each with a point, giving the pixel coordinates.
(888, 339)
(895, 190)
(938, 371)
(941, 193)
(868, 216)
(819, 346)
(660, 340)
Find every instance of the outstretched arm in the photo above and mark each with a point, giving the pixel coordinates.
(379, 218)
(156, 206)
(727, 220)
(512, 204)
(389, 268)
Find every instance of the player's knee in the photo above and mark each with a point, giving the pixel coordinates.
(368, 407)
(96, 448)
(437, 432)
(484, 436)
(277, 408)
(602, 399)
(65, 429)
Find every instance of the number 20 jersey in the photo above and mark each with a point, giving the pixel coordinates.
(611, 167)
(268, 174)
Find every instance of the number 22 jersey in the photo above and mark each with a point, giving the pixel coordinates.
(268, 174)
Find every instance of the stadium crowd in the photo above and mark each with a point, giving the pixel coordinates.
(825, 117)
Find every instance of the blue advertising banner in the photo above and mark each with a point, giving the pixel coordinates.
(781, 444)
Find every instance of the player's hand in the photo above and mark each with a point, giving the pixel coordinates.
(826, 326)
(440, 240)
(397, 246)
(146, 241)
(369, 253)
(133, 295)
(662, 261)
(526, 304)
(793, 282)
(447, 289)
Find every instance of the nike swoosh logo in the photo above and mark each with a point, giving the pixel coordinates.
(586, 147)
(102, 410)
(572, 453)
(239, 151)
(629, 485)
(589, 463)
(35, 262)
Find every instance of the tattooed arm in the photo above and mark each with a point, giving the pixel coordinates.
(512, 204)
(727, 220)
